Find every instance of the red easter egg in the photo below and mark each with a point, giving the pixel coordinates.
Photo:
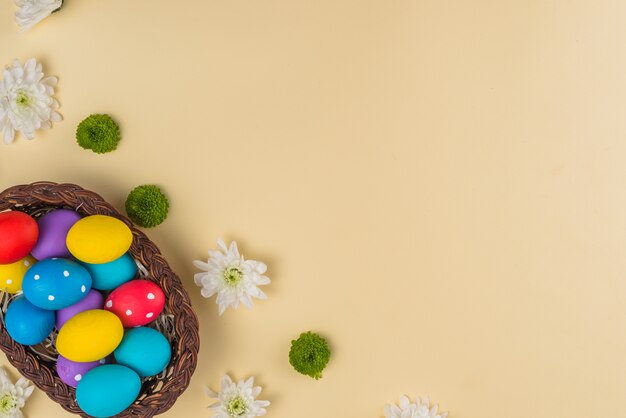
(136, 303)
(18, 236)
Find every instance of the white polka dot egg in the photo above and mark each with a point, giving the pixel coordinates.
(56, 283)
(136, 303)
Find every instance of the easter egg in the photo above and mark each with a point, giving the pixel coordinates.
(90, 336)
(99, 239)
(93, 300)
(107, 390)
(26, 323)
(11, 275)
(72, 372)
(53, 229)
(145, 350)
(56, 283)
(110, 275)
(137, 302)
(18, 235)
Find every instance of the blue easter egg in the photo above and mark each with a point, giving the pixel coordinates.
(56, 283)
(109, 276)
(144, 350)
(26, 323)
(107, 390)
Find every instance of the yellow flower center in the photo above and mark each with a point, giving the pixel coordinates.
(237, 407)
(232, 276)
(7, 403)
(22, 98)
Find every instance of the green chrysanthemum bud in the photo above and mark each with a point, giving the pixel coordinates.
(309, 354)
(98, 133)
(147, 206)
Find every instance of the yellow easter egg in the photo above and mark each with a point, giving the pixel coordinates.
(11, 275)
(90, 336)
(99, 239)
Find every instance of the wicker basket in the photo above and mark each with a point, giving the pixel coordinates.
(178, 321)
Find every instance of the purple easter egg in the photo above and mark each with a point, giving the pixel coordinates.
(53, 228)
(93, 300)
(72, 372)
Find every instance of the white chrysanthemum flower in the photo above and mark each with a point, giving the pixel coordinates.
(26, 102)
(231, 277)
(32, 12)
(13, 396)
(237, 400)
(417, 409)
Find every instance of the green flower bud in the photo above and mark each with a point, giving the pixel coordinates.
(147, 206)
(98, 133)
(309, 354)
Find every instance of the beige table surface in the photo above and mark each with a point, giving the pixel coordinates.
(437, 186)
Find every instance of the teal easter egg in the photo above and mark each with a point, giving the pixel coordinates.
(56, 283)
(107, 390)
(109, 276)
(144, 350)
(26, 323)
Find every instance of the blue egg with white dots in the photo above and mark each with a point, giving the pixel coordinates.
(56, 283)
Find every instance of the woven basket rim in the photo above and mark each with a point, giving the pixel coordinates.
(159, 393)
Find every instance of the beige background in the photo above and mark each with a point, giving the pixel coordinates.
(437, 186)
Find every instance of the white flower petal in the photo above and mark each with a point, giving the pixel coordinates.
(8, 134)
(263, 280)
(389, 411)
(198, 278)
(28, 391)
(222, 309)
(206, 293)
(247, 301)
(201, 265)
(4, 377)
(222, 245)
(56, 117)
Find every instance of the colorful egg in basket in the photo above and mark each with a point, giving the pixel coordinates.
(100, 241)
